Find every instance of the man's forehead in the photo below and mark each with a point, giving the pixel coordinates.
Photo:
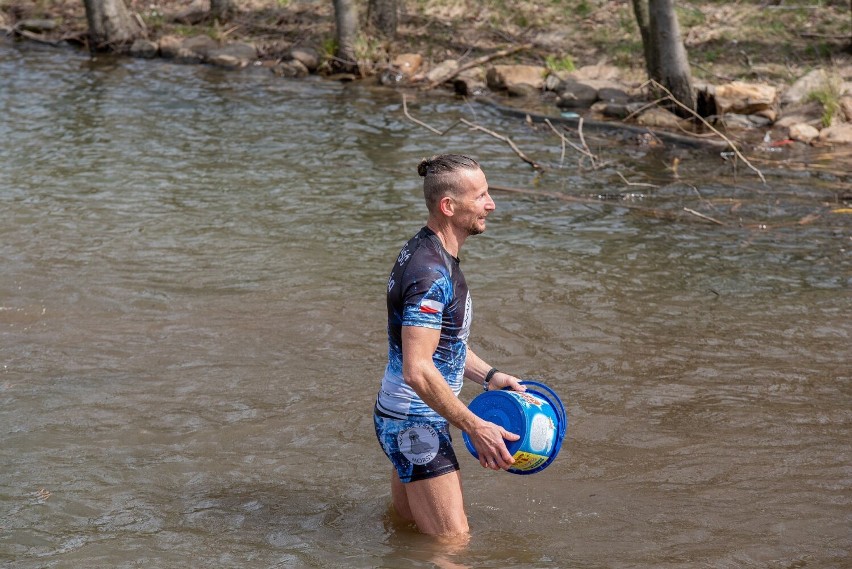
(475, 179)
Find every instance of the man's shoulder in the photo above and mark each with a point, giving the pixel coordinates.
(422, 248)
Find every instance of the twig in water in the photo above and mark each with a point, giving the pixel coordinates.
(583, 141)
(582, 150)
(505, 139)
(702, 198)
(414, 120)
(702, 216)
(474, 126)
(642, 184)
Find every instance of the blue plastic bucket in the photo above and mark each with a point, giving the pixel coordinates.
(537, 415)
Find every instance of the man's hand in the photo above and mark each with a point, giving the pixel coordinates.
(503, 380)
(487, 439)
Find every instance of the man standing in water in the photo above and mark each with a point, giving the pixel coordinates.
(429, 316)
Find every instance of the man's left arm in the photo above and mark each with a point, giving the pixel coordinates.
(476, 369)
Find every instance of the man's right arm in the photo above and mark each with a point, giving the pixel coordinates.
(420, 373)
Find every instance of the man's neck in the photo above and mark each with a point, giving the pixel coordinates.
(450, 238)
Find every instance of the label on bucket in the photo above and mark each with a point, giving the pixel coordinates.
(542, 433)
(527, 460)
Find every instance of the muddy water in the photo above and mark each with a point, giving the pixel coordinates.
(192, 332)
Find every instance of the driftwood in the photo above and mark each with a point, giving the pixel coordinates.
(476, 63)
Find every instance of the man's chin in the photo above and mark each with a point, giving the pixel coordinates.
(476, 229)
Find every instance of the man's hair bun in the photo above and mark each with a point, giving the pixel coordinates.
(445, 163)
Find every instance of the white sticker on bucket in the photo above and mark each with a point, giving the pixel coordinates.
(541, 433)
(419, 444)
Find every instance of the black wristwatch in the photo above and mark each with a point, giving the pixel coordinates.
(488, 377)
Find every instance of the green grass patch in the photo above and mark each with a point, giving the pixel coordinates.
(829, 97)
(555, 64)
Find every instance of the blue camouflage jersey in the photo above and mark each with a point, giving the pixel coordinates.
(426, 288)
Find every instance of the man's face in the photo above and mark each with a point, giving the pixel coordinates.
(473, 202)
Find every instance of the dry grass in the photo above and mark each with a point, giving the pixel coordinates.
(774, 41)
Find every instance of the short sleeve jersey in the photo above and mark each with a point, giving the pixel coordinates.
(426, 288)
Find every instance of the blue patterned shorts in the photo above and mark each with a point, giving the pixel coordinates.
(419, 448)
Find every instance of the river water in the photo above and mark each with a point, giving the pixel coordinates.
(192, 331)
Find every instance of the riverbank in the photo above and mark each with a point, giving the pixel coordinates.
(774, 72)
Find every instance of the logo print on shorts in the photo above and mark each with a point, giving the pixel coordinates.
(419, 444)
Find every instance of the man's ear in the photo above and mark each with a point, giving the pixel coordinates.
(447, 206)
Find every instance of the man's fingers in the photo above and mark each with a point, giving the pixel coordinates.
(510, 436)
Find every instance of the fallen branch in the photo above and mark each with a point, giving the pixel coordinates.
(505, 139)
(582, 150)
(474, 126)
(708, 125)
(475, 63)
(415, 121)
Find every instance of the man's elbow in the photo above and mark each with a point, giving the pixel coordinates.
(415, 378)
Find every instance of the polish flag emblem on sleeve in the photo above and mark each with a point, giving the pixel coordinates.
(431, 306)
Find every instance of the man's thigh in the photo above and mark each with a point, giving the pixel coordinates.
(437, 504)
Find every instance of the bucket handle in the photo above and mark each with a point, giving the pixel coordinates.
(554, 401)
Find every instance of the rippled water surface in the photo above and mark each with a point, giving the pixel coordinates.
(192, 331)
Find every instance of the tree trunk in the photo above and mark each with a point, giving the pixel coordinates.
(674, 69)
(665, 56)
(221, 9)
(383, 16)
(640, 9)
(346, 18)
(111, 26)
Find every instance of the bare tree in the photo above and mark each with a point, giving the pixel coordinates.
(221, 9)
(110, 24)
(346, 18)
(665, 56)
(383, 15)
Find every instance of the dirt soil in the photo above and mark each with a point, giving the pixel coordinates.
(771, 41)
